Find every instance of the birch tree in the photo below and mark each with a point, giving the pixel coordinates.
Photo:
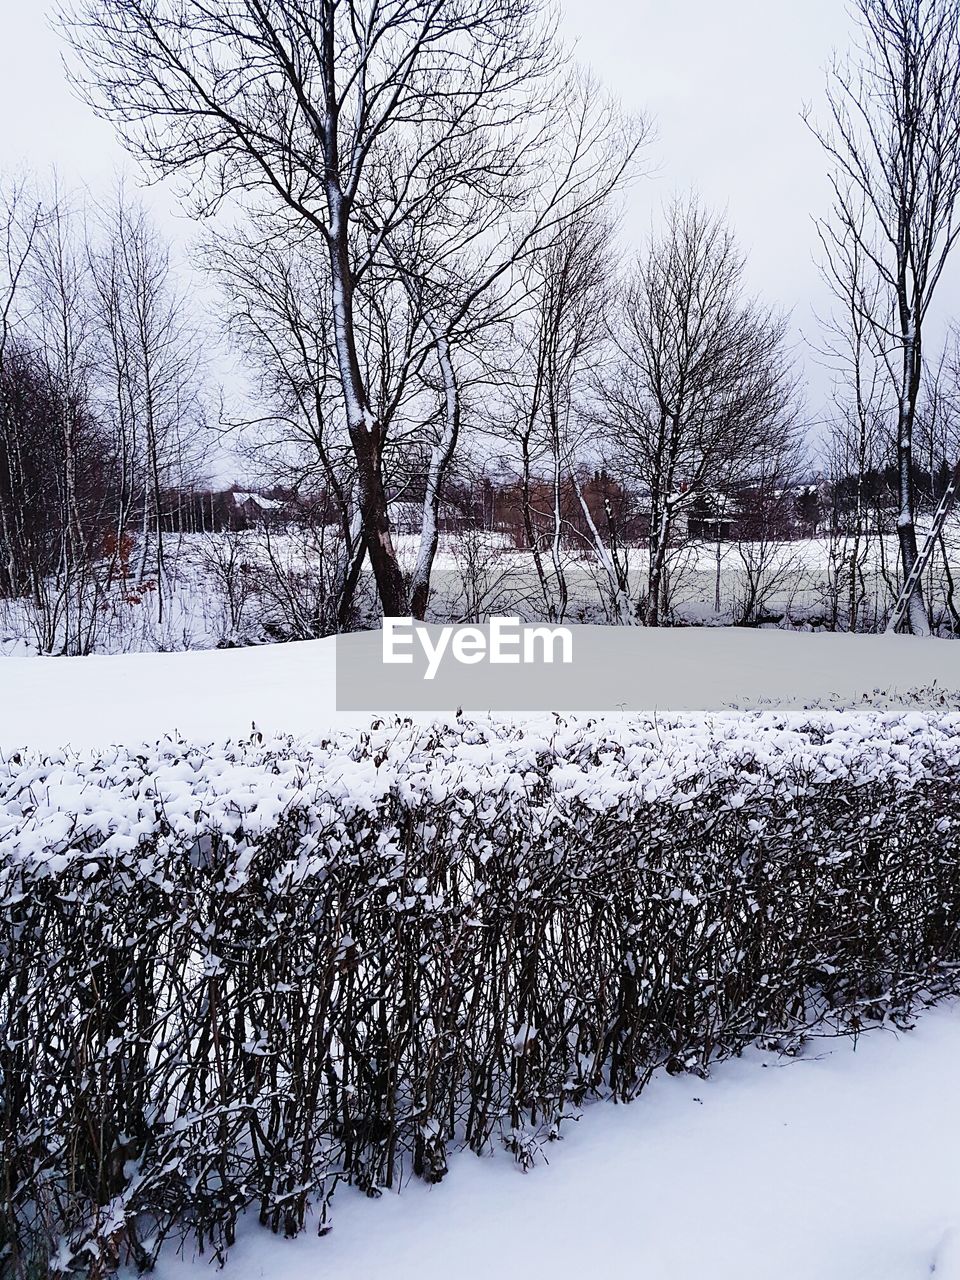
(149, 373)
(55, 477)
(859, 393)
(560, 337)
(21, 219)
(62, 326)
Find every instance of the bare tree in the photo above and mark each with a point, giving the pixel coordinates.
(63, 328)
(937, 443)
(893, 138)
(559, 337)
(99, 408)
(350, 118)
(60, 328)
(856, 429)
(768, 563)
(278, 310)
(149, 376)
(700, 381)
(22, 218)
(55, 459)
(466, 279)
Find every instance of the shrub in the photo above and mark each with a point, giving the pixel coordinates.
(236, 976)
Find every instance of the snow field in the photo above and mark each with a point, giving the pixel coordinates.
(843, 1164)
(290, 688)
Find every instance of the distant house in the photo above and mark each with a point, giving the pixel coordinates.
(611, 508)
(405, 517)
(755, 511)
(710, 518)
(254, 508)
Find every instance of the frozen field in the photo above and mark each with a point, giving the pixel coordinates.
(207, 694)
(241, 589)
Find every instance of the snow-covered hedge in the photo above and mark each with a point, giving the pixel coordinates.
(234, 976)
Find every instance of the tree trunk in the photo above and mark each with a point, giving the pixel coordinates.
(529, 527)
(906, 527)
(440, 459)
(365, 432)
(618, 587)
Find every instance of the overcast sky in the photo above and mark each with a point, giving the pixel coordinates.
(724, 80)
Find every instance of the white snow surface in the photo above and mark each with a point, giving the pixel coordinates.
(289, 688)
(841, 1165)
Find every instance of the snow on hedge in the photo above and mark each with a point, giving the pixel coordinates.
(237, 975)
(61, 805)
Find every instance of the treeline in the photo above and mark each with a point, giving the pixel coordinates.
(427, 267)
(420, 263)
(103, 437)
(425, 252)
(101, 407)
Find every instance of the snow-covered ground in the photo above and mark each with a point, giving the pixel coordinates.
(841, 1165)
(290, 688)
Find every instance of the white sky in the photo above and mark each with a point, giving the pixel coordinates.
(725, 81)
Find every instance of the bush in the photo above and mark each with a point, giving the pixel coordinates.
(235, 976)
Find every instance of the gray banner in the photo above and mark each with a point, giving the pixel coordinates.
(634, 669)
(501, 666)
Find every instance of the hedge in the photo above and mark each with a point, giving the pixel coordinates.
(233, 977)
